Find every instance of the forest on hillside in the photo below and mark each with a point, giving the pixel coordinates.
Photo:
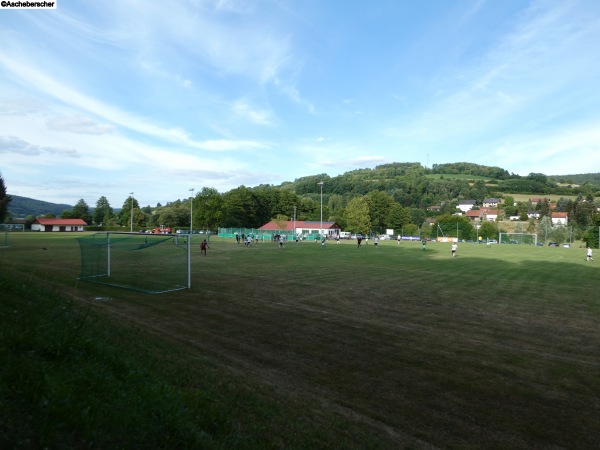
(393, 196)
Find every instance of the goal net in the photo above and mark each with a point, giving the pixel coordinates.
(518, 238)
(153, 263)
(4, 239)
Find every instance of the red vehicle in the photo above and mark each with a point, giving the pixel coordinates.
(161, 230)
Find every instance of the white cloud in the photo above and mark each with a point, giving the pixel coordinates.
(564, 151)
(258, 116)
(78, 124)
(12, 144)
(356, 163)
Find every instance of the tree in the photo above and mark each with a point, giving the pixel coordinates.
(208, 205)
(82, 211)
(125, 214)
(560, 234)
(410, 230)
(545, 228)
(66, 214)
(417, 215)
(519, 227)
(591, 236)
(456, 226)
(426, 230)
(398, 217)
(140, 219)
(241, 209)
(4, 200)
(281, 221)
(335, 204)
(379, 209)
(309, 209)
(357, 216)
(543, 208)
(509, 206)
(284, 203)
(102, 212)
(488, 230)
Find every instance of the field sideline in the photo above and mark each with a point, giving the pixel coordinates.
(382, 347)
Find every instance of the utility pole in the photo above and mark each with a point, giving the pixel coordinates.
(131, 221)
(320, 183)
(191, 210)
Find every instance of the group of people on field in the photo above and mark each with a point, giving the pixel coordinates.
(248, 242)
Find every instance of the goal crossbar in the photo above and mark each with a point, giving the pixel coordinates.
(518, 238)
(142, 262)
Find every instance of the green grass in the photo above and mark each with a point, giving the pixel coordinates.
(312, 347)
(551, 197)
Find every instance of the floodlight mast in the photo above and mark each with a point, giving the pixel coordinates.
(131, 223)
(191, 210)
(320, 183)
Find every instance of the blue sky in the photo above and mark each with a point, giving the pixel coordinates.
(110, 97)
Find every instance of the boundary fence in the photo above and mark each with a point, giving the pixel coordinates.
(264, 235)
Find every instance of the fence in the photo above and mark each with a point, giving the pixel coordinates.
(264, 235)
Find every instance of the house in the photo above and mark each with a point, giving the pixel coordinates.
(303, 227)
(559, 218)
(466, 205)
(474, 215)
(491, 202)
(490, 215)
(58, 225)
(533, 214)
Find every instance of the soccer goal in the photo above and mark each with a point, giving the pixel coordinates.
(4, 239)
(153, 263)
(518, 238)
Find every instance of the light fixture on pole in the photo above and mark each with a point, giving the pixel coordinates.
(131, 222)
(320, 183)
(191, 209)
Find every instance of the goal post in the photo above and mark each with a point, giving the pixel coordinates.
(4, 238)
(518, 238)
(152, 263)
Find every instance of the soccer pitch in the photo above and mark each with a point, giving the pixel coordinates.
(495, 348)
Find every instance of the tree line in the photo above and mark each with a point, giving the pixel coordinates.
(396, 196)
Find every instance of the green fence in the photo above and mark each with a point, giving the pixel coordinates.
(262, 235)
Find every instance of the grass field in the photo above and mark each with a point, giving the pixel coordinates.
(550, 197)
(389, 347)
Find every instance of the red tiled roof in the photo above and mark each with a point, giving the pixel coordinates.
(289, 225)
(66, 222)
(559, 215)
(473, 213)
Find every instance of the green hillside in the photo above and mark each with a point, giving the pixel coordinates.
(22, 207)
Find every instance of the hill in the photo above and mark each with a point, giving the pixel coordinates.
(22, 207)
(412, 184)
(592, 178)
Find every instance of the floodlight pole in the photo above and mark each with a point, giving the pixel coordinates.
(131, 223)
(320, 183)
(295, 223)
(191, 209)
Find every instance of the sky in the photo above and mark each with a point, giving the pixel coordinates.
(106, 98)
